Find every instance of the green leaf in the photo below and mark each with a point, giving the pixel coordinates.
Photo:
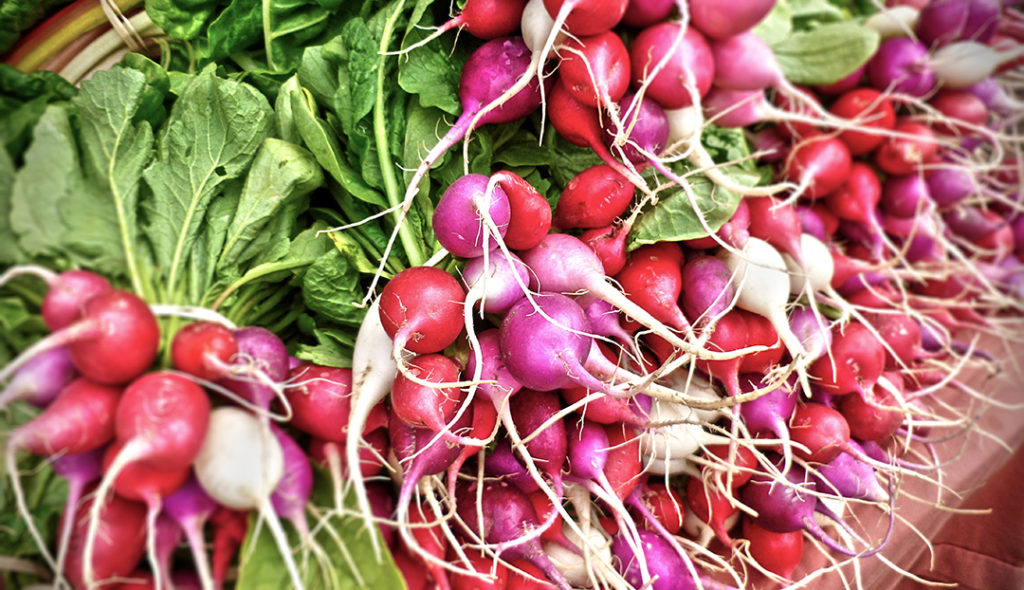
(37, 192)
(820, 10)
(777, 26)
(333, 348)
(238, 26)
(331, 289)
(210, 241)
(432, 71)
(10, 253)
(280, 171)
(672, 219)
(320, 139)
(23, 98)
(357, 89)
(19, 328)
(262, 568)
(826, 54)
(183, 19)
(103, 223)
(212, 134)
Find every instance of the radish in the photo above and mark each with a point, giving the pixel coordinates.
(872, 110)
(204, 349)
(609, 245)
(855, 361)
(484, 19)
(661, 506)
(688, 64)
(779, 553)
(643, 13)
(789, 505)
(229, 530)
(502, 515)
(849, 477)
(259, 369)
(191, 507)
(655, 282)
(421, 310)
(161, 423)
(643, 132)
(819, 164)
(320, 398)
(604, 319)
(461, 217)
(585, 17)
(894, 21)
(901, 65)
(427, 406)
(875, 414)
(728, 334)
(80, 470)
(675, 433)
(762, 287)
(79, 420)
(239, 465)
(113, 340)
(496, 281)
(529, 212)
(595, 69)
(120, 540)
(40, 379)
(594, 198)
(943, 21)
(373, 372)
(65, 292)
(656, 564)
(710, 293)
(760, 332)
(484, 427)
(718, 21)
(580, 125)
(712, 512)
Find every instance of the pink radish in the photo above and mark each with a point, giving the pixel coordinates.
(320, 400)
(191, 507)
(120, 540)
(718, 21)
(690, 66)
(65, 294)
(462, 217)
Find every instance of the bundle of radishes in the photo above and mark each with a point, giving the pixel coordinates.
(554, 400)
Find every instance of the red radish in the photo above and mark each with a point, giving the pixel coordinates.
(870, 109)
(579, 124)
(655, 284)
(643, 13)
(712, 507)
(469, 210)
(605, 409)
(853, 364)
(530, 214)
(760, 332)
(481, 564)
(689, 67)
(609, 245)
(484, 19)
(585, 17)
(421, 309)
(718, 21)
(595, 69)
(623, 467)
(79, 420)
(120, 540)
(113, 340)
(484, 426)
(819, 164)
(230, 527)
(901, 155)
(161, 421)
(526, 576)
(547, 446)
(594, 198)
(426, 544)
(874, 414)
(320, 400)
(779, 553)
(729, 334)
(40, 380)
(664, 504)
(204, 349)
(858, 197)
(819, 428)
(739, 461)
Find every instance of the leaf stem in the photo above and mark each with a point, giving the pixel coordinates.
(380, 133)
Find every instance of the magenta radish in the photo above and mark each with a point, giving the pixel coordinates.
(191, 507)
(161, 421)
(462, 218)
(80, 470)
(643, 132)
(260, 367)
(595, 69)
(719, 21)
(492, 368)
(710, 293)
(502, 515)
(594, 198)
(943, 21)
(120, 540)
(848, 477)
(901, 65)
(41, 379)
(529, 212)
(689, 64)
(502, 463)
(496, 281)
(656, 564)
(604, 319)
(759, 68)
(786, 506)
(66, 293)
(905, 196)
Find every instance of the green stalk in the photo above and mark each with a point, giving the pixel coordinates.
(380, 135)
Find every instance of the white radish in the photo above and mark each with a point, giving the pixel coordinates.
(817, 275)
(966, 63)
(897, 21)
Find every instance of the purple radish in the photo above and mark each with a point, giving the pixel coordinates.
(849, 477)
(40, 380)
(261, 365)
(190, 507)
(80, 470)
(710, 292)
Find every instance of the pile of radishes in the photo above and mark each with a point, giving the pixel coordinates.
(569, 407)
